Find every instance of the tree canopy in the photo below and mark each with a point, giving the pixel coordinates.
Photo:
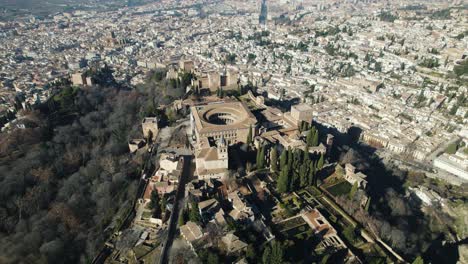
(68, 181)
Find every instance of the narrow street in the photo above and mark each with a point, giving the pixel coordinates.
(186, 174)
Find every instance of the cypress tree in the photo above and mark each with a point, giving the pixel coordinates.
(249, 137)
(155, 203)
(303, 175)
(194, 215)
(283, 159)
(264, 150)
(297, 154)
(295, 181)
(367, 205)
(306, 157)
(316, 172)
(309, 138)
(311, 172)
(257, 159)
(315, 139)
(290, 158)
(283, 180)
(163, 204)
(274, 160)
(320, 163)
(261, 161)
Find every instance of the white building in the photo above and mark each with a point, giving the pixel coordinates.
(169, 168)
(212, 162)
(352, 177)
(456, 164)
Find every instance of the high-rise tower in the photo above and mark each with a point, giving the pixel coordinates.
(263, 13)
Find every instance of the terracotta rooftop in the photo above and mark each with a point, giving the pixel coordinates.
(191, 231)
(318, 223)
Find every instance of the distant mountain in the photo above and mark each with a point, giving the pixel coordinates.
(10, 9)
(31, 4)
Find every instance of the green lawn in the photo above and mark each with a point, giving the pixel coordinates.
(295, 228)
(303, 230)
(314, 191)
(294, 222)
(341, 188)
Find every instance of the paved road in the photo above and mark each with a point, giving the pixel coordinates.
(176, 210)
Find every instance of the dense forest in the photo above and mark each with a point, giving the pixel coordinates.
(64, 178)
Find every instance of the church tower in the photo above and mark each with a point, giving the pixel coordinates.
(222, 149)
